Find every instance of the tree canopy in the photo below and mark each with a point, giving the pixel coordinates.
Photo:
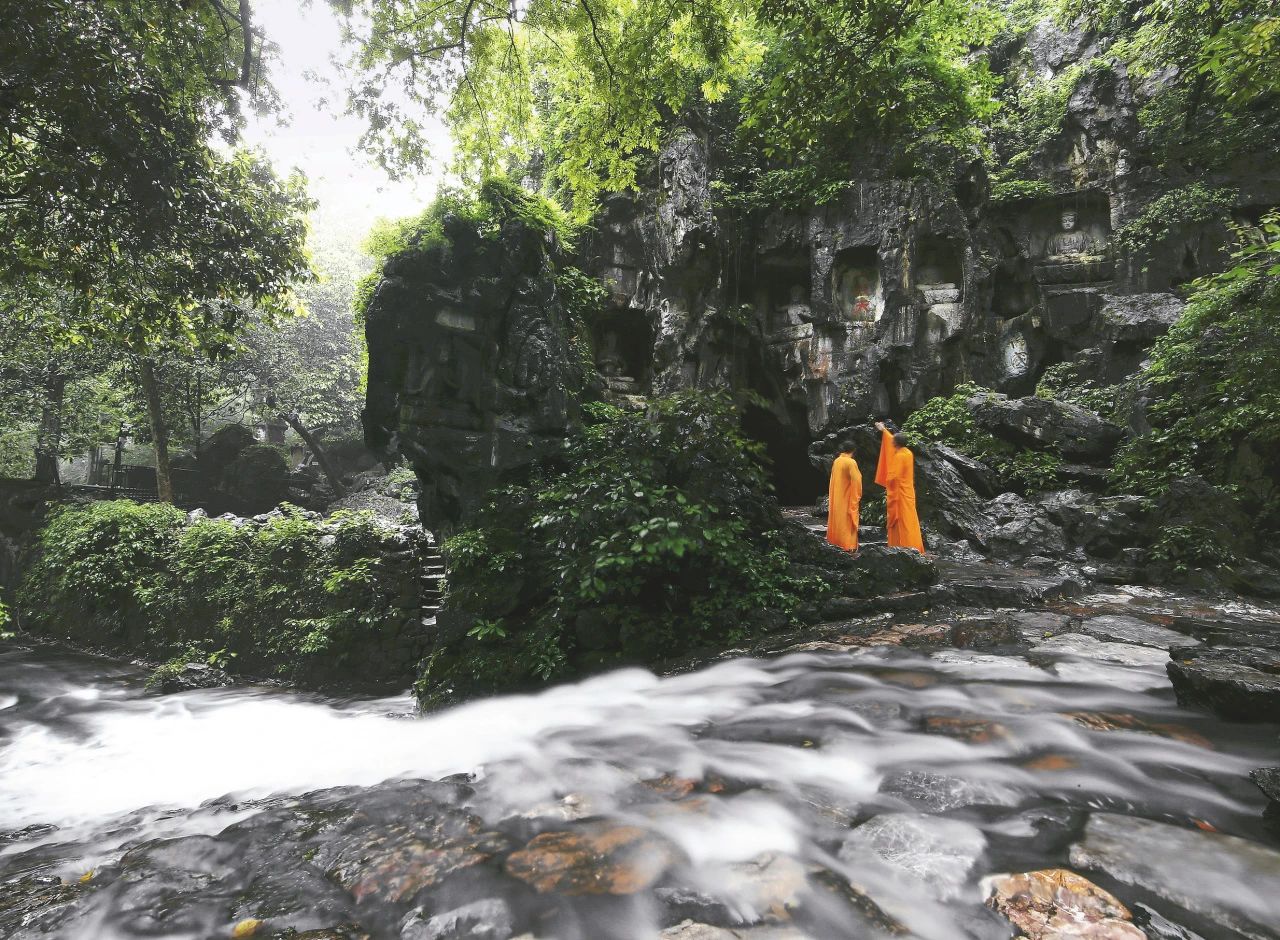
(589, 86)
(115, 181)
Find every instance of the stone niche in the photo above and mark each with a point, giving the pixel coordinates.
(781, 296)
(939, 276)
(1069, 239)
(623, 343)
(855, 284)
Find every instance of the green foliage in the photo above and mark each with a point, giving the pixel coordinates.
(1215, 388)
(1183, 548)
(1033, 110)
(1176, 210)
(1065, 381)
(947, 420)
(292, 597)
(655, 535)
(587, 90)
(496, 202)
(113, 192)
(1214, 66)
(1015, 190)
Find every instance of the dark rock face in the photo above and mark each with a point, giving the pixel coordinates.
(192, 676)
(472, 370)
(1242, 684)
(1045, 423)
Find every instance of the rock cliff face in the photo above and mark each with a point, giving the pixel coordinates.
(472, 369)
(866, 306)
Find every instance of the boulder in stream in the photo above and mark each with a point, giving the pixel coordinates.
(1228, 880)
(1056, 904)
(1238, 683)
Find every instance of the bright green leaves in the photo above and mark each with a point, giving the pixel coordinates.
(113, 192)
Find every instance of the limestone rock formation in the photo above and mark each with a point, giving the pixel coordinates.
(471, 362)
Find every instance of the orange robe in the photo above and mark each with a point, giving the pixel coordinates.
(844, 492)
(896, 472)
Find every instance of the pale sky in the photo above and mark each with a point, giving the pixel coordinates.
(320, 139)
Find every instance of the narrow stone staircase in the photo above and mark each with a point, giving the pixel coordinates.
(431, 573)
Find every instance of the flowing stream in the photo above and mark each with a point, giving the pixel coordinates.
(826, 793)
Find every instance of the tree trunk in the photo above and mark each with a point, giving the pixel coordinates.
(49, 436)
(159, 431)
(321, 457)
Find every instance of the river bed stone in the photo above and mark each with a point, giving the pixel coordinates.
(1229, 880)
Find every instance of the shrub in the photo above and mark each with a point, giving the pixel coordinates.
(1215, 389)
(291, 597)
(656, 535)
(947, 420)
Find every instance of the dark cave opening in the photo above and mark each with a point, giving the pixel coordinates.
(623, 342)
(786, 444)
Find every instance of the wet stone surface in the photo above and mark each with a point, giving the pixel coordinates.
(957, 771)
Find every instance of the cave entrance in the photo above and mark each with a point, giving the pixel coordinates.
(786, 445)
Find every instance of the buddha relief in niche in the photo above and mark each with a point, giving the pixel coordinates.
(1070, 243)
(857, 292)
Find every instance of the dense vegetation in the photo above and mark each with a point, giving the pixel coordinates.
(1215, 387)
(655, 535)
(292, 597)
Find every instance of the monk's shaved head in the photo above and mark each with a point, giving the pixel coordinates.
(846, 446)
(900, 440)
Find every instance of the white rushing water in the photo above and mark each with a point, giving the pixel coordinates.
(952, 754)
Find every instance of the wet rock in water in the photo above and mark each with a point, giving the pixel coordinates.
(592, 859)
(392, 862)
(1158, 927)
(488, 919)
(1228, 880)
(1235, 683)
(769, 885)
(1046, 423)
(1267, 779)
(30, 901)
(937, 852)
(691, 930)
(973, 730)
(1120, 721)
(1037, 625)
(1083, 646)
(1057, 903)
(1119, 628)
(190, 677)
(940, 792)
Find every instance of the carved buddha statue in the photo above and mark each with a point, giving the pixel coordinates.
(1070, 244)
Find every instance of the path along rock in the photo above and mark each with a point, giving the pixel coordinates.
(1240, 684)
(1055, 904)
(1228, 880)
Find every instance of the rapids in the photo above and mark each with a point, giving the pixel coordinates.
(748, 775)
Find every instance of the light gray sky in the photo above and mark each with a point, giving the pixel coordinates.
(320, 139)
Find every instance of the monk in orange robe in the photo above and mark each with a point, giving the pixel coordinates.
(896, 472)
(844, 494)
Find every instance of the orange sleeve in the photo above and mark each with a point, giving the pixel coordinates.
(884, 467)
